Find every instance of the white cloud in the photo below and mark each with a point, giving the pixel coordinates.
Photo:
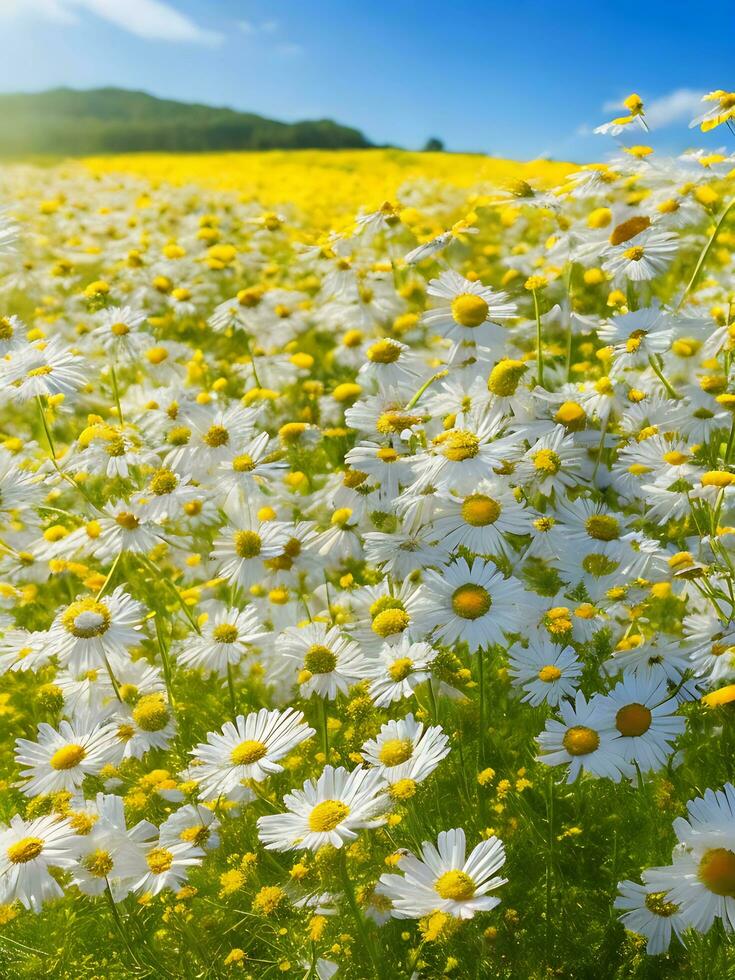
(674, 107)
(153, 20)
(246, 27)
(289, 50)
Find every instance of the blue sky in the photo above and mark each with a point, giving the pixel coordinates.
(518, 79)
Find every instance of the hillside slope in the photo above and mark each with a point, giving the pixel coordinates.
(109, 120)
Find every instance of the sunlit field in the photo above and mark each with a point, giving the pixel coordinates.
(324, 189)
(366, 565)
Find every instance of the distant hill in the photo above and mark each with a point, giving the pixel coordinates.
(67, 122)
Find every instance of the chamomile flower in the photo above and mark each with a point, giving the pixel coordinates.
(247, 750)
(584, 739)
(650, 914)
(223, 641)
(60, 760)
(328, 661)
(405, 750)
(398, 670)
(468, 310)
(88, 631)
(645, 717)
(546, 672)
(469, 604)
(28, 849)
(329, 811)
(446, 879)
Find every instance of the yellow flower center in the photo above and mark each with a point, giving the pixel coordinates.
(656, 903)
(580, 740)
(127, 520)
(67, 757)
(458, 445)
(99, 863)
(178, 436)
(25, 850)
(224, 633)
(243, 463)
(248, 544)
(327, 815)
(319, 660)
(633, 720)
(216, 436)
(547, 461)
(602, 527)
(479, 510)
(634, 254)
(629, 229)
(471, 601)
(717, 871)
(400, 669)
(120, 329)
(395, 422)
(151, 714)
(159, 860)
(395, 751)
(197, 835)
(86, 618)
(505, 377)
(549, 674)
(469, 310)
(455, 885)
(163, 482)
(246, 753)
(384, 352)
(675, 458)
(390, 621)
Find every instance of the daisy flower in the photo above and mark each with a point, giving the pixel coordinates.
(239, 552)
(248, 749)
(650, 914)
(168, 866)
(90, 630)
(47, 369)
(398, 670)
(28, 848)
(480, 520)
(223, 641)
(468, 310)
(647, 256)
(546, 672)
(61, 759)
(445, 880)
(329, 662)
(646, 720)
(585, 739)
(700, 881)
(328, 811)
(406, 751)
(193, 824)
(469, 604)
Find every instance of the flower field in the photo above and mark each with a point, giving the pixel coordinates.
(367, 565)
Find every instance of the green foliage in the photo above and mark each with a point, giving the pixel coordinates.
(109, 120)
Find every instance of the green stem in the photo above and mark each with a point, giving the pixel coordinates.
(481, 680)
(113, 679)
(231, 689)
(325, 728)
(414, 400)
(116, 392)
(704, 254)
(357, 916)
(539, 340)
(166, 661)
(672, 392)
(110, 574)
(158, 577)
